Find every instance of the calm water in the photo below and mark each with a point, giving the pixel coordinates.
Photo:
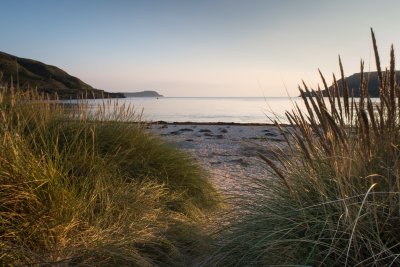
(212, 109)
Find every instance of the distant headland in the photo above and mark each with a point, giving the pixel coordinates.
(353, 82)
(146, 93)
(48, 79)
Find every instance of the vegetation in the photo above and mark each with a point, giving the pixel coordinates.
(85, 188)
(48, 79)
(334, 196)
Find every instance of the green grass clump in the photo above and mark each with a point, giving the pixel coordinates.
(78, 188)
(334, 196)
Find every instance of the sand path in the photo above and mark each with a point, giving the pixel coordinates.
(228, 152)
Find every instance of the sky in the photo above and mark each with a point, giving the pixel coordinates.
(200, 48)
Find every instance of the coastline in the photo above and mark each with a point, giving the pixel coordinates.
(215, 123)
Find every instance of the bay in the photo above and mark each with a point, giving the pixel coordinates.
(210, 109)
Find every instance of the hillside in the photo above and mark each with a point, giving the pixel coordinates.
(353, 83)
(48, 79)
(143, 94)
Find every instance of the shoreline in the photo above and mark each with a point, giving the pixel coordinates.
(220, 123)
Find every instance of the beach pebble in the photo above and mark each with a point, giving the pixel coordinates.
(174, 133)
(186, 130)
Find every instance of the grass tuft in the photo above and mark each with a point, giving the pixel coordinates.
(334, 194)
(79, 187)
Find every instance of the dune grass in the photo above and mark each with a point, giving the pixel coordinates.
(334, 195)
(79, 188)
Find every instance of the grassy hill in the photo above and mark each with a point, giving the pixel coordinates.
(48, 79)
(353, 82)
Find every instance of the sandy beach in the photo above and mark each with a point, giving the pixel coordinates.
(228, 151)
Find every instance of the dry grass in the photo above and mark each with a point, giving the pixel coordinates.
(79, 187)
(335, 194)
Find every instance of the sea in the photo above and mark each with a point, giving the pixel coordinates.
(260, 110)
(212, 109)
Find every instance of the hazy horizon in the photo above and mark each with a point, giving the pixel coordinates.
(200, 48)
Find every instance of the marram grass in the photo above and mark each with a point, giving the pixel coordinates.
(78, 188)
(333, 198)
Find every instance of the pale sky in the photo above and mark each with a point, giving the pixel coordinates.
(200, 47)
